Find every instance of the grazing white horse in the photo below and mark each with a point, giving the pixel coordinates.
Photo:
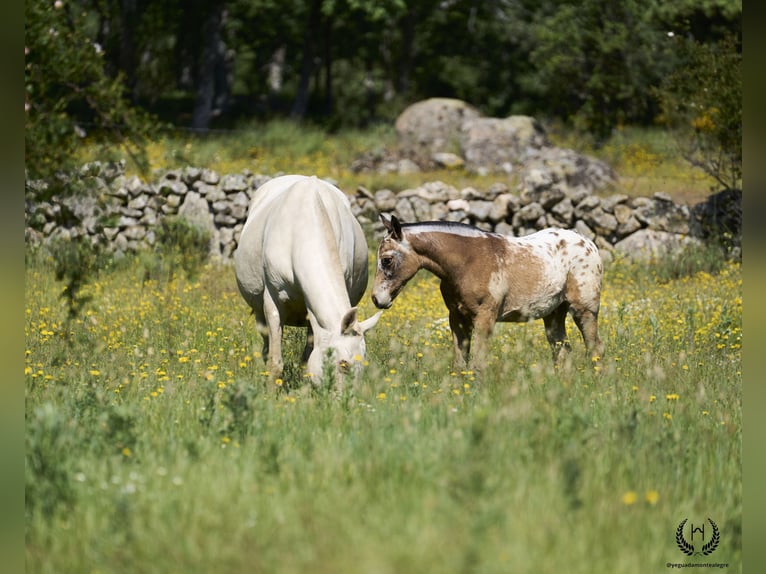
(302, 261)
(488, 277)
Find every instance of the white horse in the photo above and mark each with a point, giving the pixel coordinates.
(302, 261)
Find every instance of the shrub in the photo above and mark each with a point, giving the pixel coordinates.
(702, 101)
(182, 244)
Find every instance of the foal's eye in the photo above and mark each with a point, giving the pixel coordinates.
(386, 262)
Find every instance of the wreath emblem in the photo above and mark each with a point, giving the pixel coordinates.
(707, 548)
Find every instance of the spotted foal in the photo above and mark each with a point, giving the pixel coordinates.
(488, 277)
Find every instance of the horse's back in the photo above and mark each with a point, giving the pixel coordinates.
(579, 257)
(294, 220)
(558, 265)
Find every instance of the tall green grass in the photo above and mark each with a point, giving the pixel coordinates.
(155, 442)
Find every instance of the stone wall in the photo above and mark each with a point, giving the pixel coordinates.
(121, 212)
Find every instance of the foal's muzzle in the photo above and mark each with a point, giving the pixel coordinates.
(381, 304)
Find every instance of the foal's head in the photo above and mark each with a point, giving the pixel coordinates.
(397, 263)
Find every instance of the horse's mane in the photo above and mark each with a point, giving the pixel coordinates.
(452, 227)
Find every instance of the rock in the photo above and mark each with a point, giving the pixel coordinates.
(385, 199)
(138, 202)
(221, 207)
(172, 187)
(447, 160)
(406, 165)
(196, 211)
(547, 197)
(504, 228)
(613, 201)
(498, 144)
(502, 206)
(663, 215)
(589, 203)
(647, 244)
(563, 211)
(190, 175)
(631, 225)
(210, 177)
(404, 211)
(233, 183)
(719, 218)
(458, 205)
(433, 125)
(135, 232)
(536, 179)
(582, 228)
(528, 213)
(601, 222)
(421, 208)
(480, 209)
(173, 200)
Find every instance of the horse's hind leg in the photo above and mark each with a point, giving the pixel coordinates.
(587, 321)
(556, 333)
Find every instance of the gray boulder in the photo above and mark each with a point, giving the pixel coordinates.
(648, 244)
(432, 126)
(496, 145)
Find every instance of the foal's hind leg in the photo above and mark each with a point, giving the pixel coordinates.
(587, 321)
(556, 333)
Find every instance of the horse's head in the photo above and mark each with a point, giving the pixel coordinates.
(397, 263)
(346, 346)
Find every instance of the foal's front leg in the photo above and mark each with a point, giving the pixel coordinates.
(462, 329)
(483, 325)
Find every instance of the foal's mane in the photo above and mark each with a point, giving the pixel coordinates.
(452, 227)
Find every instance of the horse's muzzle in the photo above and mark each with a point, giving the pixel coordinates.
(381, 304)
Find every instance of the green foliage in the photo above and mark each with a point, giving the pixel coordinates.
(702, 102)
(594, 63)
(181, 244)
(48, 468)
(68, 94)
(76, 262)
(343, 62)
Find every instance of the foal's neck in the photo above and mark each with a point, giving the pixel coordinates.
(440, 253)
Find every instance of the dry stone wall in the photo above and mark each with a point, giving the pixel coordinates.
(121, 212)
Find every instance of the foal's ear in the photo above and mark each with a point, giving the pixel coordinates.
(393, 226)
(397, 228)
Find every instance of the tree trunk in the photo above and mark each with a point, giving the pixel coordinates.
(128, 23)
(300, 105)
(405, 64)
(328, 95)
(211, 45)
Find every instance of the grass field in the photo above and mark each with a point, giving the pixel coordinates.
(155, 442)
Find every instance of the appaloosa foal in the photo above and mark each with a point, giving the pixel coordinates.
(488, 277)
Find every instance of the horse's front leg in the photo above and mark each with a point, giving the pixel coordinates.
(274, 339)
(309, 344)
(483, 326)
(462, 329)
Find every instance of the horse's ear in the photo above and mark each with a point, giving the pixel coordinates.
(348, 323)
(396, 228)
(392, 225)
(370, 322)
